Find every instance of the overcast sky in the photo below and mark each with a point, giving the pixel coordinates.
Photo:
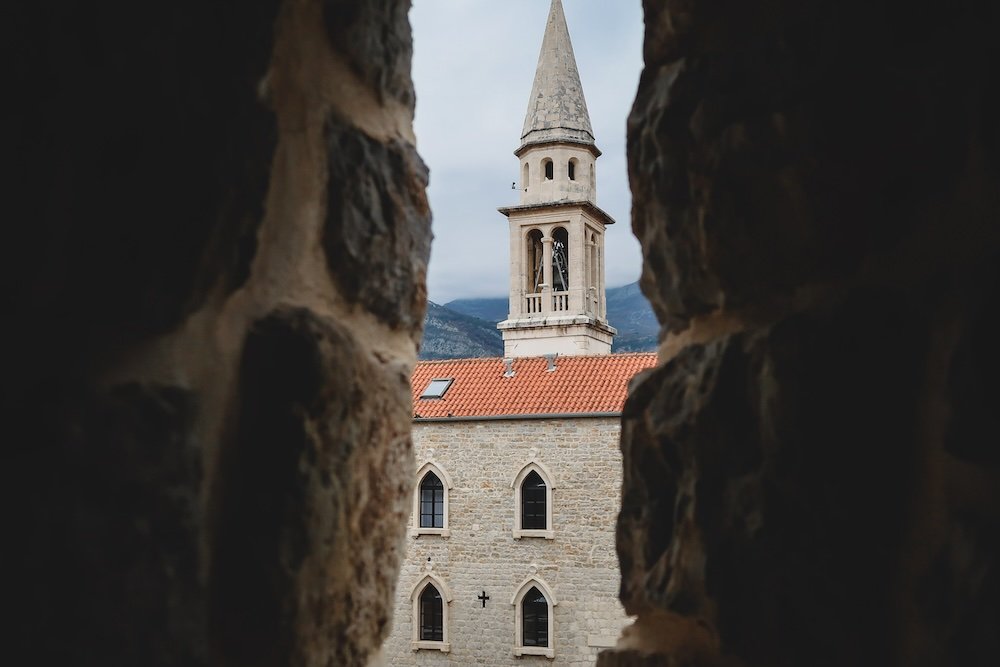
(474, 63)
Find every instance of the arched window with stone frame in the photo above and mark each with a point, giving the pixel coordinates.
(533, 487)
(430, 598)
(593, 273)
(548, 169)
(534, 618)
(430, 501)
(560, 261)
(534, 253)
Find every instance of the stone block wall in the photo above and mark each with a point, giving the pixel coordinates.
(196, 342)
(214, 288)
(482, 459)
(812, 476)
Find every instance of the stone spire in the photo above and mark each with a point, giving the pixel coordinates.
(557, 110)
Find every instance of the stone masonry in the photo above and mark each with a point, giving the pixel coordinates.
(217, 278)
(205, 388)
(812, 477)
(482, 458)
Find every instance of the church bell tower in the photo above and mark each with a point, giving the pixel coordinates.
(557, 301)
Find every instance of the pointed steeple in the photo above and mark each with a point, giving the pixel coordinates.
(558, 303)
(557, 110)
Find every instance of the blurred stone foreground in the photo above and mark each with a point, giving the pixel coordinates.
(216, 261)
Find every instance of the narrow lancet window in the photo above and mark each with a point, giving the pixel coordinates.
(533, 510)
(560, 260)
(534, 619)
(549, 170)
(571, 170)
(431, 502)
(535, 272)
(431, 615)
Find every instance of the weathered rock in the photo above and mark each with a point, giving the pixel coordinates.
(774, 144)
(739, 495)
(377, 212)
(299, 555)
(634, 659)
(810, 477)
(375, 36)
(129, 465)
(774, 478)
(213, 420)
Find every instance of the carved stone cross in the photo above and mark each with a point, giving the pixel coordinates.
(484, 597)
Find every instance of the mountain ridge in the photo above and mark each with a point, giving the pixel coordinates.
(466, 328)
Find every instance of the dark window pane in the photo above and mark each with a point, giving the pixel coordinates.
(534, 619)
(533, 514)
(431, 615)
(431, 502)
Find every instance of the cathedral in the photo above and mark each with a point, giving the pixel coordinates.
(511, 555)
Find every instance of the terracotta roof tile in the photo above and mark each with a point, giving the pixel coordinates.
(578, 385)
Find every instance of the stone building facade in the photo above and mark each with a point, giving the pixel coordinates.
(496, 423)
(511, 554)
(578, 565)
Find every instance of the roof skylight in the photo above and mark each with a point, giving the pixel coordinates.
(437, 387)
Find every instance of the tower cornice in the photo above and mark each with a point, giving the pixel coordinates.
(588, 145)
(588, 206)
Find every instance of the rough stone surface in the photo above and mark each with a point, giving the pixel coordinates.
(482, 459)
(809, 478)
(375, 37)
(212, 461)
(773, 144)
(377, 212)
(635, 659)
(557, 108)
(298, 495)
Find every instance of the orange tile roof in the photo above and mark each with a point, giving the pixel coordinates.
(579, 385)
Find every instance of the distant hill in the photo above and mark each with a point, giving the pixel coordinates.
(491, 309)
(452, 335)
(466, 327)
(631, 314)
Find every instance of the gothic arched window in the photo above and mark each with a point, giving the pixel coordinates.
(571, 169)
(431, 615)
(549, 169)
(430, 597)
(533, 502)
(534, 619)
(526, 177)
(534, 604)
(431, 502)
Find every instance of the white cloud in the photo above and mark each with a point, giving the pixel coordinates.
(474, 63)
